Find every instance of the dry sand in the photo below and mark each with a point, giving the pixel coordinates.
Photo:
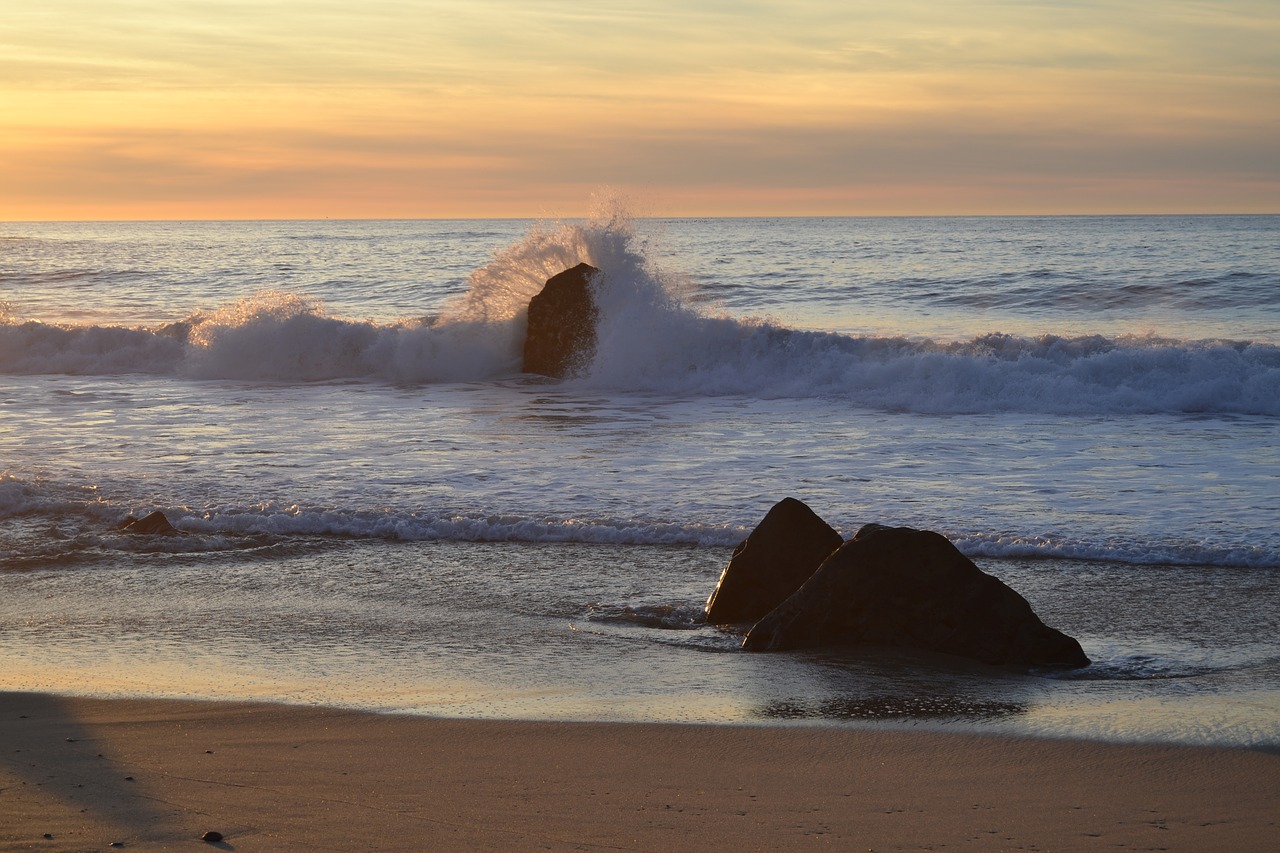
(155, 775)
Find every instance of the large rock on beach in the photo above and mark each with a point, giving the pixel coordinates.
(896, 586)
(784, 550)
(561, 335)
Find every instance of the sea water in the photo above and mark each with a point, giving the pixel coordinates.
(378, 510)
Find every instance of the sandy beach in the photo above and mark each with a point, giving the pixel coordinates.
(88, 774)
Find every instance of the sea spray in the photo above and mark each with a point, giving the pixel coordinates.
(658, 335)
(287, 337)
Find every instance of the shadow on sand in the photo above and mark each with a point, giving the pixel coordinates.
(48, 756)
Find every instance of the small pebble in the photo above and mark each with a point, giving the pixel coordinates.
(48, 835)
(212, 836)
(71, 740)
(128, 778)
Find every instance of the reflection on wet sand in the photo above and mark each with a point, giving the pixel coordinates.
(892, 708)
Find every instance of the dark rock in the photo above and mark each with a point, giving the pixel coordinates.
(561, 335)
(154, 524)
(895, 586)
(179, 331)
(212, 836)
(784, 550)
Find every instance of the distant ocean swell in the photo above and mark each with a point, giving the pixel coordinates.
(66, 523)
(1056, 290)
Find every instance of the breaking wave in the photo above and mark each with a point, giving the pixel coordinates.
(65, 520)
(655, 336)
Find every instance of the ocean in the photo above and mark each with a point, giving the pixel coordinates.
(379, 511)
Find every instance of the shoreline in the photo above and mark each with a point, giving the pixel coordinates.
(155, 774)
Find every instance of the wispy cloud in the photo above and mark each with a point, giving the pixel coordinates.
(390, 107)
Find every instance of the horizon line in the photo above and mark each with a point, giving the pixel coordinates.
(545, 217)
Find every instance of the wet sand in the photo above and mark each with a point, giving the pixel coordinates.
(87, 774)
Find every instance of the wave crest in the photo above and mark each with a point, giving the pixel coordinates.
(67, 519)
(653, 338)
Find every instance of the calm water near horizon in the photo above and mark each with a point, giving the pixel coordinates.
(380, 511)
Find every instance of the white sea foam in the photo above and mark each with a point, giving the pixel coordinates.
(671, 349)
(650, 339)
(993, 373)
(95, 522)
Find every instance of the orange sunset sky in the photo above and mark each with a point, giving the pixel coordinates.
(209, 109)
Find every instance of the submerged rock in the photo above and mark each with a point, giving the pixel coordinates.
(896, 586)
(561, 335)
(157, 523)
(784, 550)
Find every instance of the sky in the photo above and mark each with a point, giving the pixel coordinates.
(223, 109)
